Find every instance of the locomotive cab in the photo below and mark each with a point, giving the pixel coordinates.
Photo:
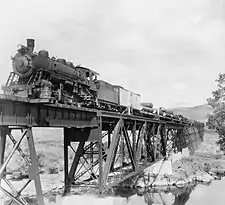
(91, 76)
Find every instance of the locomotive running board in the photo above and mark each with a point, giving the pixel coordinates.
(25, 99)
(45, 101)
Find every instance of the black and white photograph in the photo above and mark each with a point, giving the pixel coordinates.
(112, 102)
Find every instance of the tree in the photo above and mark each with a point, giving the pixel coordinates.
(216, 120)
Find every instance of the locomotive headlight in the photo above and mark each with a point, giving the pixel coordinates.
(22, 49)
(19, 46)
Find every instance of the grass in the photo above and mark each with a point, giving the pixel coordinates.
(206, 158)
(49, 149)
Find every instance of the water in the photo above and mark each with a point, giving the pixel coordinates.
(190, 195)
(208, 195)
(193, 195)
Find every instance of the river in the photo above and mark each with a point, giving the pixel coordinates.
(194, 195)
(191, 195)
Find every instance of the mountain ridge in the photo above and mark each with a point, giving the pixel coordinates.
(198, 112)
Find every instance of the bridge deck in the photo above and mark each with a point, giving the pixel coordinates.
(18, 111)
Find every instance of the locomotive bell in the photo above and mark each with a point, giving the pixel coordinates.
(30, 45)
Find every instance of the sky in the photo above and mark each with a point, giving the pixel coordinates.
(169, 51)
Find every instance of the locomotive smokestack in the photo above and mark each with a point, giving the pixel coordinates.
(30, 45)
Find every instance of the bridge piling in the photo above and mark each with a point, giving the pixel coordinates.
(3, 132)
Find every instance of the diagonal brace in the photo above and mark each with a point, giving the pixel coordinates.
(79, 153)
(111, 151)
(11, 153)
(133, 162)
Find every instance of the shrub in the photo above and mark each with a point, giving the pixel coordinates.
(216, 120)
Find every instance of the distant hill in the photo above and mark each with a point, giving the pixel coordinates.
(199, 113)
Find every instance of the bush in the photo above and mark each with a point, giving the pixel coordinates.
(216, 120)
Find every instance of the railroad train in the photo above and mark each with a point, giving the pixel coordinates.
(39, 76)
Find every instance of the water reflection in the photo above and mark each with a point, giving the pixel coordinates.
(122, 196)
(168, 196)
(183, 197)
(189, 195)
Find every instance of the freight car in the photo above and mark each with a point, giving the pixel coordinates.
(108, 97)
(116, 98)
(128, 99)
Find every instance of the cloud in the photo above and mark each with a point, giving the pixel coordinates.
(168, 51)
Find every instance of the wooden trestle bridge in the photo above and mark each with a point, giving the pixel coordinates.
(112, 147)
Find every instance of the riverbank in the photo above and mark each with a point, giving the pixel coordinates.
(207, 164)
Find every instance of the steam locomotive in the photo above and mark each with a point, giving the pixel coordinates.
(39, 76)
